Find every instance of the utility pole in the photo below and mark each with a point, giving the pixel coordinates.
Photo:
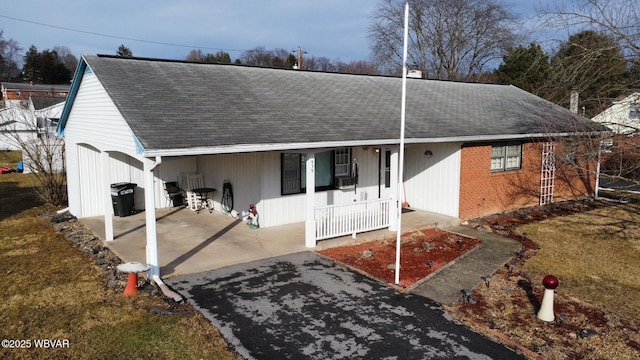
(299, 64)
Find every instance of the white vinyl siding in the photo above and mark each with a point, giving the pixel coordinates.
(94, 119)
(432, 183)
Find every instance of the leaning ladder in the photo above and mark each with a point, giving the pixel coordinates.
(547, 173)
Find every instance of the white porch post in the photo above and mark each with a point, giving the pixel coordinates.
(150, 219)
(106, 186)
(395, 191)
(310, 223)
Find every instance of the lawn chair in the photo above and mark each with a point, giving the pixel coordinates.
(190, 182)
(174, 194)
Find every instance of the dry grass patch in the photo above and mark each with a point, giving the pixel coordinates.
(594, 255)
(51, 290)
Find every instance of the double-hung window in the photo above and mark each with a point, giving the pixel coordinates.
(330, 165)
(506, 156)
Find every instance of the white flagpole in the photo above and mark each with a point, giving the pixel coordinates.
(401, 159)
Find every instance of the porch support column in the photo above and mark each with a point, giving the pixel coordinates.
(150, 218)
(310, 223)
(106, 186)
(395, 191)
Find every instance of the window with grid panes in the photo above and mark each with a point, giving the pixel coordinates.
(328, 166)
(506, 157)
(342, 162)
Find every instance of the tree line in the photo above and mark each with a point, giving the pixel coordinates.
(465, 40)
(460, 40)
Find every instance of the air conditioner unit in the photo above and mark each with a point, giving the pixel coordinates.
(346, 182)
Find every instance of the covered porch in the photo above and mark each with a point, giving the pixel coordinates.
(190, 242)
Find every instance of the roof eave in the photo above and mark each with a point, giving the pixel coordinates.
(73, 92)
(248, 148)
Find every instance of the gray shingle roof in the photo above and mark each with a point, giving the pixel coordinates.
(43, 102)
(173, 105)
(53, 88)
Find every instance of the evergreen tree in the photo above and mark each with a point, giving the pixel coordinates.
(45, 67)
(31, 67)
(221, 57)
(527, 68)
(593, 64)
(124, 51)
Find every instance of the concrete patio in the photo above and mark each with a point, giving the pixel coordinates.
(191, 242)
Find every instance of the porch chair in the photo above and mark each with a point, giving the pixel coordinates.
(174, 194)
(189, 182)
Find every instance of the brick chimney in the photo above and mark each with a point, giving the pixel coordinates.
(573, 102)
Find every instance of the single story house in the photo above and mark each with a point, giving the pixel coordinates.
(307, 146)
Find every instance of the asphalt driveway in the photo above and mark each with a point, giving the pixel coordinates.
(303, 306)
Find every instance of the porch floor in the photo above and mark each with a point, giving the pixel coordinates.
(189, 242)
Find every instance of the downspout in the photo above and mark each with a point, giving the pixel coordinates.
(157, 162)
(165, 289)
(598, 168)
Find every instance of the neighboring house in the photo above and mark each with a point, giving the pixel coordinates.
(16, 94)
(622, 148)
(29, 111)
(32, 128)
(623, 117)
(296, 143)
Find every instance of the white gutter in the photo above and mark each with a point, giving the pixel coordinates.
(157, 162)
(247, 148)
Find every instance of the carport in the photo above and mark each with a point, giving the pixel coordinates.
(191, 242)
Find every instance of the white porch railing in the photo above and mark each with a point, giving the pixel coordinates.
(352, 218)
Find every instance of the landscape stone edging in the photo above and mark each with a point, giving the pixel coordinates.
(87, 242)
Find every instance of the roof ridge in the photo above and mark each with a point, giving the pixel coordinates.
(178, 61)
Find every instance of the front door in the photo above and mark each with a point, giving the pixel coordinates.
(384, 179)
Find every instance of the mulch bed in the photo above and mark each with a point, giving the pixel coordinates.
(422, 253)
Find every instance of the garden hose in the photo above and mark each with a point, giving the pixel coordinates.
(227, 197)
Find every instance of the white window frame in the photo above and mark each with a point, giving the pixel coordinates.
(506, 157)
(342, 162)
(292, 174)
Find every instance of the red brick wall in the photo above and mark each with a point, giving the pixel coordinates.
(483, 192)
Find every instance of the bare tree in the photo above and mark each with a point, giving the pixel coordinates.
(358, 67)
(66, 57)
(258, 56)
(322, 63)
(10, 54)
(619, 19)
(448, 39)
(195, 56)
(33, 133)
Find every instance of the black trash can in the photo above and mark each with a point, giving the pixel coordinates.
(122, 198)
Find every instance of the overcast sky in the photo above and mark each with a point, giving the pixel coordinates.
(336, 29)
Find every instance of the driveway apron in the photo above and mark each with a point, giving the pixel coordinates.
(304, 306)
